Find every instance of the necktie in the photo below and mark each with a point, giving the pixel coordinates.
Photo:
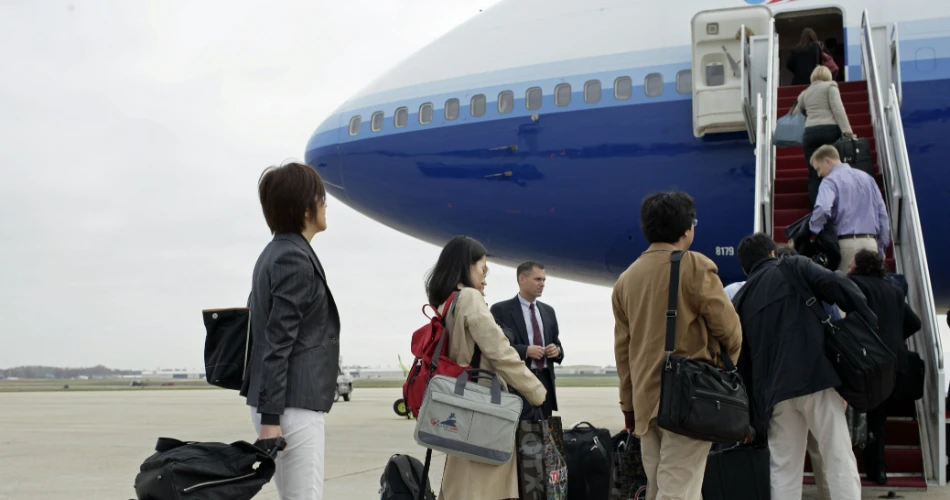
(537, 335)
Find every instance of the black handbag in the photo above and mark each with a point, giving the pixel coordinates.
(589, 456)
(910, 383)
(698, 399)
(181, 470)
(227, 346)
(866, 367)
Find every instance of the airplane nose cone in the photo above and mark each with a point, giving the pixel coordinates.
(323, 155)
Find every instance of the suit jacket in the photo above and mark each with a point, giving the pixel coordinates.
(295, 330)
(705, 320)
(509, 315)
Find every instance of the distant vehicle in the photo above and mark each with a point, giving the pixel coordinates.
(344, 385)
(400, 405)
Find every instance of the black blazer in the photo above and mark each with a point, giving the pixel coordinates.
(509, 315)
(295, 330)
(896, 320)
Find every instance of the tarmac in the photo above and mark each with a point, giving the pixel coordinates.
(89, 445)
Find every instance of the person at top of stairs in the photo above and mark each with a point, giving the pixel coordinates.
(805, 56)
(852, 200)
(825, 120)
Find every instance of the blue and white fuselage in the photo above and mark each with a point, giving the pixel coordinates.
(545, 172)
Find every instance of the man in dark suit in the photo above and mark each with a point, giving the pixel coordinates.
(533, 328)
(295, 331)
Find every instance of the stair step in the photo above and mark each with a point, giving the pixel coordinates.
(800, 153)
(843, 87)
(896, 460)
(786, 102)
(791, 185)
(791, 200)
(788, 216)
(893, 483)
(854, 108)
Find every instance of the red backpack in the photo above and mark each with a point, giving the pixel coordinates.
(426, 342)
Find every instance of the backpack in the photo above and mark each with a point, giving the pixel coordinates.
(227, 345)
(181, 470)
(428, 340)
(401, 478)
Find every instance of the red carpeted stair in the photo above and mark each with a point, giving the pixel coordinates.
(903, 458)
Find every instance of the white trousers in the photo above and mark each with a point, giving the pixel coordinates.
(822, 414)
(299, 474)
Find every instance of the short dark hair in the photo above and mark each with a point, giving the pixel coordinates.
(782, 250)
(453, 267)
(665, 217)
(527, 267)
(287, 192)
(754, 248)
(869, 263)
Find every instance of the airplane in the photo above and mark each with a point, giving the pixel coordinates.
(538, 126)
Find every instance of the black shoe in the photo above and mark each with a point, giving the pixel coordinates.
(880, 477)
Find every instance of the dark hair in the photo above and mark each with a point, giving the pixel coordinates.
(286, 193)
(808, 37)
(665, 217)
(527, 267)
(753, 249)
(784, 250)
(869, 263)
(453, 267)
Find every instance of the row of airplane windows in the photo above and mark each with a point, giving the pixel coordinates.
(623, 90)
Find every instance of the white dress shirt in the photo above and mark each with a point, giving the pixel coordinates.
(526, 310)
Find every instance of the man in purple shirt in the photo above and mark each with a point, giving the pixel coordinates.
(851, 199)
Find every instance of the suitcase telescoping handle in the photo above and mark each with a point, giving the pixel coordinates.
(475, 374)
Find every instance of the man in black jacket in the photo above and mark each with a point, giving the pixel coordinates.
(533, 329)
(791, 381)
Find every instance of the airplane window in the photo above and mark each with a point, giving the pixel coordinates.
(532, 99)
(653, 85)
(562, 94)
(401, 118)
(451, 109)
(425, 113)
(623, 88)
(355, 125)
(376, 123)
(684, 81)
(506, 102)
(715, 75)
(592, 92)
(477, 107)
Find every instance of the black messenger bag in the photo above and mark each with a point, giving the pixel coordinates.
(227, 345)
(698, 399)
(865, 365)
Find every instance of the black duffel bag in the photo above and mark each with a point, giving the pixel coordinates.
(866, 367)
(698, 399)
(589, 462)
(181, 470)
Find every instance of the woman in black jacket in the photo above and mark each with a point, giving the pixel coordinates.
(896, 322)
(804, 57)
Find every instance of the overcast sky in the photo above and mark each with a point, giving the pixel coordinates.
(133, 137)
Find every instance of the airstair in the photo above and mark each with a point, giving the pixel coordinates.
(917, 435)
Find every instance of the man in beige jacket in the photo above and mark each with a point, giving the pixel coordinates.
(705, 319)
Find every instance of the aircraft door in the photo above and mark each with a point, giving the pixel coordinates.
(722, 93)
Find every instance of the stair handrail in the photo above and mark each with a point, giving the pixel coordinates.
(763, 139)
(911, 255)
(878, 121)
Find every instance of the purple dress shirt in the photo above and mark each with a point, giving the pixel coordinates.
(851, 199)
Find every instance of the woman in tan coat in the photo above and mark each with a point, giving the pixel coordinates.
(462, 267)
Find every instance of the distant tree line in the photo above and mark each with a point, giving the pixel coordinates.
(63, 373)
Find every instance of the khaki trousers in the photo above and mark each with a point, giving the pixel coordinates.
(822, 414)
(674, 464)
(850, 247)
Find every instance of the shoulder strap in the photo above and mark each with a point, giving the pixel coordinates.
(675, 257)
(808, 297)
(164, 444)
(407, 473)
(477, 356)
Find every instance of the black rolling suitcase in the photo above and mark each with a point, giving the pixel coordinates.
(738, 473)
(857, 153)
(589, 462)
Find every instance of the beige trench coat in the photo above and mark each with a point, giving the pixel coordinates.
(471, 322)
